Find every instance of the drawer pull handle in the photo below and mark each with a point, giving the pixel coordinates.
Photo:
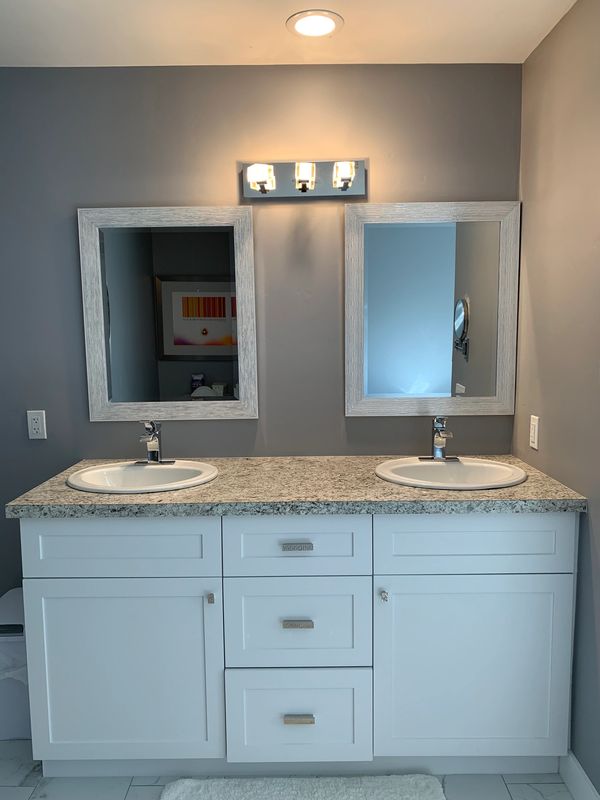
(384, 595)
(297, 547)
(298, 719)
(210, 599)
(297, 624)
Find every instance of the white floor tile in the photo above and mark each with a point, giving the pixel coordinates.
(542, 777)
(16, 762)
(475, 787)
(15, 792)
(143, 793)
(81, 789)
(539, 791)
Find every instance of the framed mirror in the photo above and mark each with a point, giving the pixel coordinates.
(169, 312)
(431, 308)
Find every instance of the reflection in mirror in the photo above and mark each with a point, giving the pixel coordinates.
(170, 313)
(416, 275)
(431, 300)
(169, 317)
(461, 319)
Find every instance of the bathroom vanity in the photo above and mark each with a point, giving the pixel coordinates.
(297, 610)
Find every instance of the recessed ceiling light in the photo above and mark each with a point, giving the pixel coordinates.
(314, 22)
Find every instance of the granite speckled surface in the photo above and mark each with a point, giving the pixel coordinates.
(296, 485)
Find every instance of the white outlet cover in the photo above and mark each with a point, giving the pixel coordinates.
(36, 424)
(534, 431)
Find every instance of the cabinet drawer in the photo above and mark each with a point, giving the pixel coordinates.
(297, 545)
(298, 622)
(299, 714)
(439, 544)
(121, 548)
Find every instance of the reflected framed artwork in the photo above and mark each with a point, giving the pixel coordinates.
(195, 318)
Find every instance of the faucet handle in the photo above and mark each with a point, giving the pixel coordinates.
(150, 426)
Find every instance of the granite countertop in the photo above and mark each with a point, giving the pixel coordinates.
(296, 485)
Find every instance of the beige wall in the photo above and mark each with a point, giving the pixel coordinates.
(559, 333)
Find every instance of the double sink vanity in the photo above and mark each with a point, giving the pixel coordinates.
(202, 617)
(296, 610)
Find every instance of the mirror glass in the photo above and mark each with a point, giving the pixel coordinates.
(414, 275)
(170, 321)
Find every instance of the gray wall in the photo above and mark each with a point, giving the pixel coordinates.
(559, 368)
(172, 136)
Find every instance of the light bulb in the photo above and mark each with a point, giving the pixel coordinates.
(305, 175)
(343, 174)
(261, 177)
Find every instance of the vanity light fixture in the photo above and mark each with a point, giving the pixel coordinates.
(302, 180)
(344, 173)
(305, 174)
(261, 177)
(315, 22)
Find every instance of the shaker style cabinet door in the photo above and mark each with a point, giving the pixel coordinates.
(472, 665)
(126, 667)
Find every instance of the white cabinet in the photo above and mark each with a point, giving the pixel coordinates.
(299, 715)
(472, 665)
(459, 645)
(442, 544)
(298, 622)
(334, 544)
(131, 547)
(125, 668)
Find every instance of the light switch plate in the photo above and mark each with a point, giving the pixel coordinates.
(534, 430)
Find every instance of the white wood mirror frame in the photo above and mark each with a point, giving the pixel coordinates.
(357, 215)
(91, 222)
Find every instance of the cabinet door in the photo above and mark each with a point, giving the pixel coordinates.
(472, 665)
(125, 667)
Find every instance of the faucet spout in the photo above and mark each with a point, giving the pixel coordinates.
(439, 436)
(152, 441)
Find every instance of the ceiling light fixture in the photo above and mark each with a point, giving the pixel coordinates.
(315, 22)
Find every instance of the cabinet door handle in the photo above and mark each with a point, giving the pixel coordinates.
(297, 547)
(384, 595)
(298, 719)
(210, 598)
(297, 624)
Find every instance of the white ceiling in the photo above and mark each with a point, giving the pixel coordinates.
(178, 32)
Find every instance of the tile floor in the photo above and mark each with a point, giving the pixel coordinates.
(21, 779)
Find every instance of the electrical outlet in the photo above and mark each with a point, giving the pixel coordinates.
(534, 431)
(36, 424)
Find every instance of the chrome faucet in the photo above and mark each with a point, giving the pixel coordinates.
(152, 442)
(439, 436)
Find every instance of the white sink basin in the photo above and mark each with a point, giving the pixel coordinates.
(465, 474)
(133, 478)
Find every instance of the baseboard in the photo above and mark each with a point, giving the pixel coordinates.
(482, 765)
(576, 780)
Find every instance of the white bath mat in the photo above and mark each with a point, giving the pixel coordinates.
(389, 787)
